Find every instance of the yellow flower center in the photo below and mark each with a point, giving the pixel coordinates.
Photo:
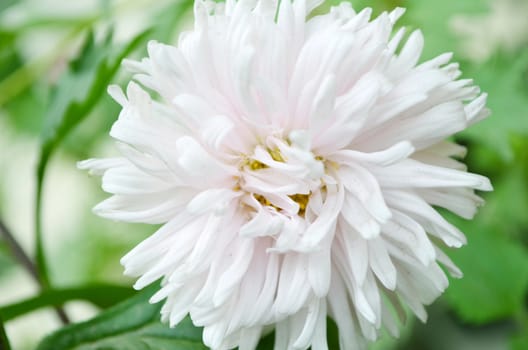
(301, 199)
(255, 165)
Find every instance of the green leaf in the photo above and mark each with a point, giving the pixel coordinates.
(82, 86)
(22, 109)
(9, 60)
(506, 208)
(131, 325)
(495, 262)
(76, 95)
(519, 342)
(495, 276)
(505, 80)
(4, 342)
(101, 295)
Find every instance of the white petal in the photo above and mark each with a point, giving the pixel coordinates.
(216, 199)
(448, 263)
(100, 166)
(324, 225)
(315, 309)
(339, 306)
(429, 218)
(292, 292)
(364, 186)
(319, 271)
(358, 218)
(381, 264)
(356, 251)
(411, 173)
(262, 224)
(389, 156)
(153, 208)
(410, 53)
(233, 274)
(197, 161)
(411, 236)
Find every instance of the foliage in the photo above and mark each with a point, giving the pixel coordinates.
(505, 79)
(496, 278)
(132, 325)
(76, 94)
(101, 295)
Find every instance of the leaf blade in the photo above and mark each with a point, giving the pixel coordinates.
(68, 111)
(133, 325)
(101, 295)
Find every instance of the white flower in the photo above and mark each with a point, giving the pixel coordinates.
(293, 164)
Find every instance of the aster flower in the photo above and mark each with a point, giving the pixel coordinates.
(294, 164)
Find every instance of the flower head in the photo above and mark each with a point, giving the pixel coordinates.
(294, 164)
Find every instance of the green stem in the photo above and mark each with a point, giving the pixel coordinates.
(24, 260)
(40, 255)
(42, 267)
(18, 253)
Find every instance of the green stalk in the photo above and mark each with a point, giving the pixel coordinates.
(41, 263)
(25, 261)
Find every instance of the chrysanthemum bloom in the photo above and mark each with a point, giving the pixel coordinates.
(294, 164)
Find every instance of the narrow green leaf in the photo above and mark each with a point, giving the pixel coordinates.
(82, 86)
(76, 95)
(9, 60)
(101, 295)
(4, 341)
(131, 325)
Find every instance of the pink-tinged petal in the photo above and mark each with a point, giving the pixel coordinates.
(381, 264)
(363, 186)
(413, 174)
(389, 156)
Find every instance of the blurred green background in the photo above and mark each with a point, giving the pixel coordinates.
(56, 59)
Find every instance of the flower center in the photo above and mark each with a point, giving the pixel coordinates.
(300, 199)
(256, 165)
(284, 167)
